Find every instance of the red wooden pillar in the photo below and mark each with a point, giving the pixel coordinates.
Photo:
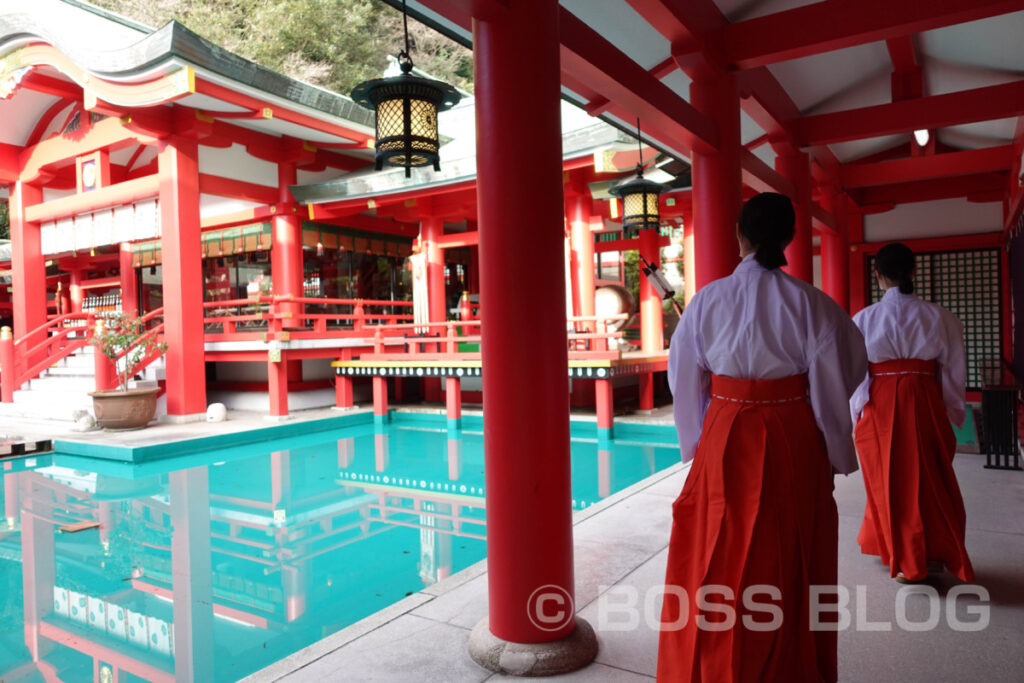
(431, 229)
(604, 397)
(716, 180)
(582, 241)
(28, 267)
(689, 259)
(453, 401)
(277, 384)
(75, 290)
(835, 252)
(182, 279)
(7, 385)
(129, 281)
(380, 398)
(343, 385)
(796, 167)
(526, 421)
(286, 269)
(651, 331)
(858, 284)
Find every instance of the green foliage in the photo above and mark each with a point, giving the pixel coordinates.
(631, 273)
(123, 339)
(331, 43)
(5, 220)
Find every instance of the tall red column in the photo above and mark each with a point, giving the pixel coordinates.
(431, 229)
(796, 167)
(182, 279)
(75, 290)
(651, 331)
(835, 253)
(524, 351)
(286, 252)
(689, 259)
(717, 184)
(28, 276)
(129, 281)
(286, 267)
(582, 241)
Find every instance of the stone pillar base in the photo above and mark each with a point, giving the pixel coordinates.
(573, 652)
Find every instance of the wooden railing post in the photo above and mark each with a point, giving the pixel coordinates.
(359, 321)
(7, 372)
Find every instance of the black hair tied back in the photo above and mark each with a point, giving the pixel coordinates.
(768, 222)
(895, 262)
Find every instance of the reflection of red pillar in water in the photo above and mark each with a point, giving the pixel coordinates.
(346, 451)
(11, 498)
(381, 451)
(604, 473)
(454, 459)
(38, 567)
(294, 580)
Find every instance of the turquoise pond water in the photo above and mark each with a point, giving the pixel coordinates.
(216, 564)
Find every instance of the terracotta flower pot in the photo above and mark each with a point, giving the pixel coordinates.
(120, 410)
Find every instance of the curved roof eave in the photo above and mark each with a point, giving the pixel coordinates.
(175, 41)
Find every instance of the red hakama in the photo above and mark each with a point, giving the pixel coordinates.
(756, 509)
(906, 444)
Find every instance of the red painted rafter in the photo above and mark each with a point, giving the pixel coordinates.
(837, 24)
(694, 27)
(237, 189)
(590, 58)
(907, 75)
(935, 111)
(50, 85)
(930, 190)
(44, 121)
(953, 164)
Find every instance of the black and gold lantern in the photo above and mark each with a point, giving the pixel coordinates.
(406, 108)
(639, 197)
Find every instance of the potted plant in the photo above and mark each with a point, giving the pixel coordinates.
(128, 346)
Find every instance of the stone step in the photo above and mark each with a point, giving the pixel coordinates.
(61, 371)
(63, 384)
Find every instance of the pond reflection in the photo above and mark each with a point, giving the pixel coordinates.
(212, 572)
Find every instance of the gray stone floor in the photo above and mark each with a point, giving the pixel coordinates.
(621, 547)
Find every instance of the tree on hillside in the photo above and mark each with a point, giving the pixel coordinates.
(5, 221)
(331, 43)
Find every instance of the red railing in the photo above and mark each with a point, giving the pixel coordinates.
(106, 371)
(26, 358)
(440, 340)
(269, 317)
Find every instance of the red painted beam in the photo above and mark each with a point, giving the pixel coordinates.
(837, 24)
(590, 58)
(237, 189)
(459, 239)
(627, 244)
(127, 192)
(967, 162)
(930, 190)
(52, 86)
(935, 111)
(762, 177)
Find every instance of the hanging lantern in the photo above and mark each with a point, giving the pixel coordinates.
(639, 197)
(406, 109)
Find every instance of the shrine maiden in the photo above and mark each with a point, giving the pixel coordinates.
(914, 389)
(761, 368)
